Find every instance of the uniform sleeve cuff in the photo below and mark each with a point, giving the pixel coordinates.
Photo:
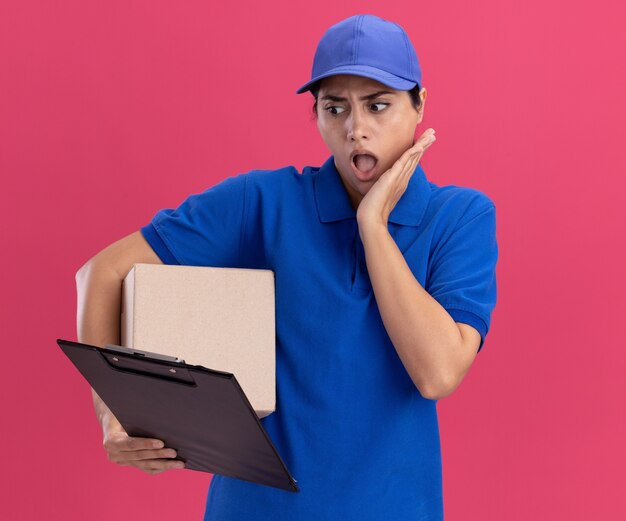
(154, 240)
(467, 317)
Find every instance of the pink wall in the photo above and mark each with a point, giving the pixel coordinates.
(110, 111)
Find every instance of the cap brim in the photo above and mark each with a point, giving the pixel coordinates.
(391, 80)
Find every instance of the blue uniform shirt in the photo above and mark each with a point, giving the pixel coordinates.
(350, 424)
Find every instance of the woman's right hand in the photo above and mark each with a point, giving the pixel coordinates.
(147, 454)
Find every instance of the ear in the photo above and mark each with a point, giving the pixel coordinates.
(423, 94)
(420, 110)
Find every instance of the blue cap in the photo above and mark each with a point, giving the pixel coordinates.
(366, 45)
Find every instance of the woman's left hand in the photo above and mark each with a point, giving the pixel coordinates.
(385, 193)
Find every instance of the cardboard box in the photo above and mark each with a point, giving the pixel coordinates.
(220, 318)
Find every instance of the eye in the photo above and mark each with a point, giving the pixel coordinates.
(379, 110)
(334, 107)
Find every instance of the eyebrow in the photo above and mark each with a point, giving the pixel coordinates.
(369, 96)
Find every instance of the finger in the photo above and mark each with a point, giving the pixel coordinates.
(396, 169)
(413, 158)
(418, 149)
(425, 140)
(416, 135)
(411, 166)
(410, 169)
(123, 442)
(155, 464)
(404, 160)
(142, 455)
(159, 465)
(407, 162)
(415, 151)
(154, 472)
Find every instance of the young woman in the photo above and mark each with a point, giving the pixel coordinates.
(385, 284)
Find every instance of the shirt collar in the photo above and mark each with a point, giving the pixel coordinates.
(333, 201)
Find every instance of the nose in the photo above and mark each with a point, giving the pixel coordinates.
(357, 126)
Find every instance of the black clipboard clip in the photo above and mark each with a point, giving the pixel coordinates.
(147, 354)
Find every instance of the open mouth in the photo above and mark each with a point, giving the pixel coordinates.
(364, 163)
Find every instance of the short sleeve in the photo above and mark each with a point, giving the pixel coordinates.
(463, 271)
(205, 230)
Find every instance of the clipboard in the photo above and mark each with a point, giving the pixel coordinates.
(201, 413)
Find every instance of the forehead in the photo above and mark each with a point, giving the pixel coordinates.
(350, 83)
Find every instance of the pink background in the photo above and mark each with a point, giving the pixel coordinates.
(112, 110)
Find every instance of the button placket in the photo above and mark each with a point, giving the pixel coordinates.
(361, 275)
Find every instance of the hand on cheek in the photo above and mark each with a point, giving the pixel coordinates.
(384, 194)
